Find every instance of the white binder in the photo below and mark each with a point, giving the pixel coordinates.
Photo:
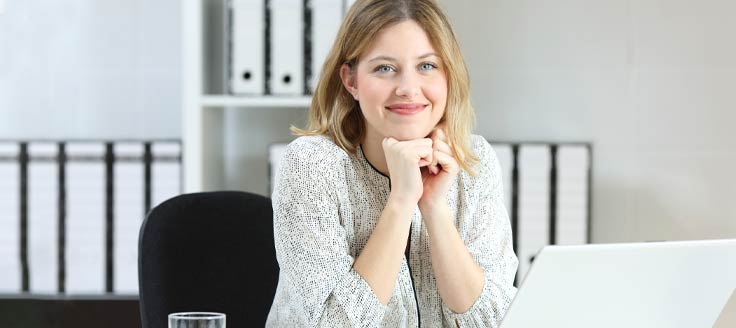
(43, 216)
(275, 153)
(573, 163)
(247, 42)
(534, 187)
(128, 215)
(165, 175)
(287, 47)
(326, 18)
(85, 218)
(505, 156)
(10, 269)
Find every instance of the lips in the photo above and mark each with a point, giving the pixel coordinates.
(406, 108)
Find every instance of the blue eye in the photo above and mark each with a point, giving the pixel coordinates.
(384, 69)
(427, 66)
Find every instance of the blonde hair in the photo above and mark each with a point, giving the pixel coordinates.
(335, 113)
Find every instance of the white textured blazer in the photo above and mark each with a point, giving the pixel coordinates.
(326, 203)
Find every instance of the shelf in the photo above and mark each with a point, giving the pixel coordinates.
(207, 131)
(255, 101)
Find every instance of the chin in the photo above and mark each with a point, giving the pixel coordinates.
(408, 134)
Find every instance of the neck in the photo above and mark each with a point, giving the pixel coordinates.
(373, 151)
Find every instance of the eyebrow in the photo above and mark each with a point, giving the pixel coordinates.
(392, 59)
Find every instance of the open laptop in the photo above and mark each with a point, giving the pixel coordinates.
(657, 284)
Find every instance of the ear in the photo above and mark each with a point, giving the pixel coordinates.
(349, 80)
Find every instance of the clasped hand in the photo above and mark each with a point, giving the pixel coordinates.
(421, 170)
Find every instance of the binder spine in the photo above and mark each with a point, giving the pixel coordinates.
(566, 182)
(553, 195)
(45, 212)
(325, 23)
(247, 46)
(61, 232)
(128, 212)
(307, 54)
(61, 190)
(10, 223)
(267, 50)
(23, 162)
(147, 162)
(287, 46)
(109, 216)
(229, 46)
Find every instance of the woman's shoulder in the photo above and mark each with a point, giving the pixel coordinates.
(488, 161)
(482, 148)
(479, 143)
(316, 152)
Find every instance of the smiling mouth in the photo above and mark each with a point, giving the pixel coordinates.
(406, 109)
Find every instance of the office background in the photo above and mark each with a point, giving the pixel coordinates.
(654, 109)
(649, 83)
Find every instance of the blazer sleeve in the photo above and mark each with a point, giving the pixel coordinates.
(486, 231)
(311, 246)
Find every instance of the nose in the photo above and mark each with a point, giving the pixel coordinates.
(409, 85)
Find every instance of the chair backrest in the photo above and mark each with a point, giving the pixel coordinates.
(211, 251)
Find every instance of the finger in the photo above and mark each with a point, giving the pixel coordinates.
(417, 151)
(443, 147)
(442, 134)
(439, 133)
(427, 142)
(434, 136)
(434, 169)
(446, 161)
(433, 164)
(439, 146)
(422, 142)
(425, 154)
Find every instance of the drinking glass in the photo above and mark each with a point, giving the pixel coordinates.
(197, 320)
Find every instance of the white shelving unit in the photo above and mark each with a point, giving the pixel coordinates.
(260, 102)
(202, 110)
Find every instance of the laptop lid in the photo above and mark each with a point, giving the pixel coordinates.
(658, 284)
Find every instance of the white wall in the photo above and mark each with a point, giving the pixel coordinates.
(90, 69)
(247, 135)
(652, 84)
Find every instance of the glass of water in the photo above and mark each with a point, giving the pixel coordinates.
(197, 320)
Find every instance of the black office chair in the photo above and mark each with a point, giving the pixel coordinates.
(209, 251)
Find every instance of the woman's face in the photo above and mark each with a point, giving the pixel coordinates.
(400, 84)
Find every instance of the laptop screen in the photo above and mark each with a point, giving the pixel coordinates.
(658, 284)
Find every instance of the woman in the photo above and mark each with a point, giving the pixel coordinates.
(387, 212)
